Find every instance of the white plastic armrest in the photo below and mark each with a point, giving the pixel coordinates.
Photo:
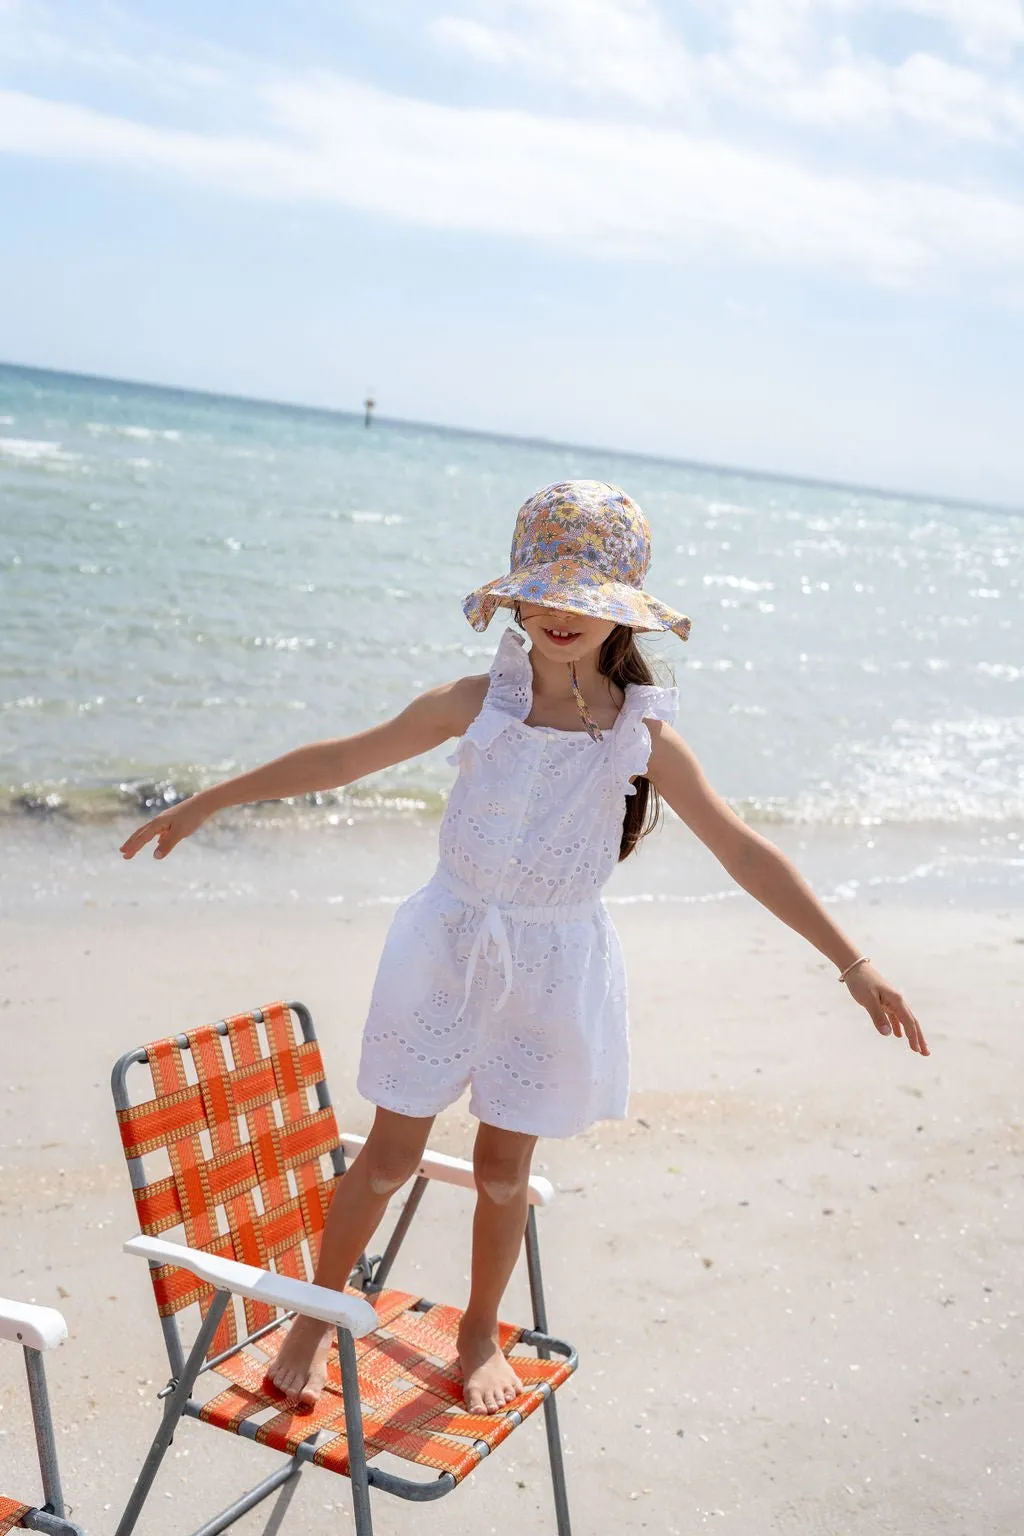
(30, 1326)
(276, 1290)
(454, 1170)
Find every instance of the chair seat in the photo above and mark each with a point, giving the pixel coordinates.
(410, 1387)
(11, 1514)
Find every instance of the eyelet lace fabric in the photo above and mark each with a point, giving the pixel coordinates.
(504, 972)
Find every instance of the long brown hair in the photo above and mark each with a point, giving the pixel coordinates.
(622, 661)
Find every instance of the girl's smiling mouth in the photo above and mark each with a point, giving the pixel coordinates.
(562, 636)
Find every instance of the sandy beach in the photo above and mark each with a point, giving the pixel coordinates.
(317, 342)
(793, 1274)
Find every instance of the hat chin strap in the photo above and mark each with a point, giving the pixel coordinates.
(592, 727)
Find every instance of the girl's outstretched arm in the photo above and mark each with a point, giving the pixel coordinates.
(430, 719)
(763, 870)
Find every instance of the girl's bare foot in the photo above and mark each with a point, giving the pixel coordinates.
(488, 1381)
(299, 1368)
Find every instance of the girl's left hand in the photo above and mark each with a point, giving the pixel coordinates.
(886, 1007)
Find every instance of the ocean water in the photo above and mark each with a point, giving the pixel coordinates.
(190, 585)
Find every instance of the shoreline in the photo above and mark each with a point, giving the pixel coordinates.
(374, 860)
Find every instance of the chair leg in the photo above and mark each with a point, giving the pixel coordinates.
(281, 1477)
(540, 1321)
(558, 1487)
(173, 1408)
(354, 1433)
(42, 1421)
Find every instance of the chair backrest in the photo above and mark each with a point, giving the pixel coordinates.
(237, 1145)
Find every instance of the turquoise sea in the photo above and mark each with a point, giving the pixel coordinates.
(190, 585)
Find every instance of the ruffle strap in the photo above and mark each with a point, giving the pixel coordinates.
(509, 696)
(511, 687)
(632, 738)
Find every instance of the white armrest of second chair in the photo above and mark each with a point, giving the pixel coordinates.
(30, 1326)
(453, 1170)
(301, 1296)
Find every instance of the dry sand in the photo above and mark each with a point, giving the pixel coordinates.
(793, 1274)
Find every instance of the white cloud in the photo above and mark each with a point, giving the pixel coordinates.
(600, 189)
(988, 30)
(30, 125)
(617, 48)
(780, 59)
(670, 161)
(992, 30)
(875, 99)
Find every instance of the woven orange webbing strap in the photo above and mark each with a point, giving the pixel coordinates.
(260, 1192)
(410, 1388)
(11, 1514)
(237, 1200)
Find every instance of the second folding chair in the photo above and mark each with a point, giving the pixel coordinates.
(36, 1329)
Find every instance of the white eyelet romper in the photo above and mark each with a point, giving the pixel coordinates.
(504, 972)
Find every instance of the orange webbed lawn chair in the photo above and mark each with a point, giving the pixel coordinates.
(239, 1115)
(37, 1329)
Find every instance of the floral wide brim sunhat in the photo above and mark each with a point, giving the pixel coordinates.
(581, 546)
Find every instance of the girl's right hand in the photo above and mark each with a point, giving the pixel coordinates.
(168, 827)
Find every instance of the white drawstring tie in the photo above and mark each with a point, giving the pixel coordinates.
(490, 928)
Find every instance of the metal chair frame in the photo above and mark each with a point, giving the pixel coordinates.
(369, 1276)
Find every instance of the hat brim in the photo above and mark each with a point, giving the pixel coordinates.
(572, 588)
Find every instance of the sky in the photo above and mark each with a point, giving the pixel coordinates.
(776, 234)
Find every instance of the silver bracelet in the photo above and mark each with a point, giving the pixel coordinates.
(843, 974)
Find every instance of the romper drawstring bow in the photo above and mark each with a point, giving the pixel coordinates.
(490, 927)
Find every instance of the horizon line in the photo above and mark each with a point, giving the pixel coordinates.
(776, 476)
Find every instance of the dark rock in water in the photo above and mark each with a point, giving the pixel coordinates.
(154, 797)
(40, 805)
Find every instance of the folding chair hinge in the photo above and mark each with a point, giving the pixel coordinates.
(363, 1273)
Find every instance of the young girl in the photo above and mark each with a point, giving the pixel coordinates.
(504, 973)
